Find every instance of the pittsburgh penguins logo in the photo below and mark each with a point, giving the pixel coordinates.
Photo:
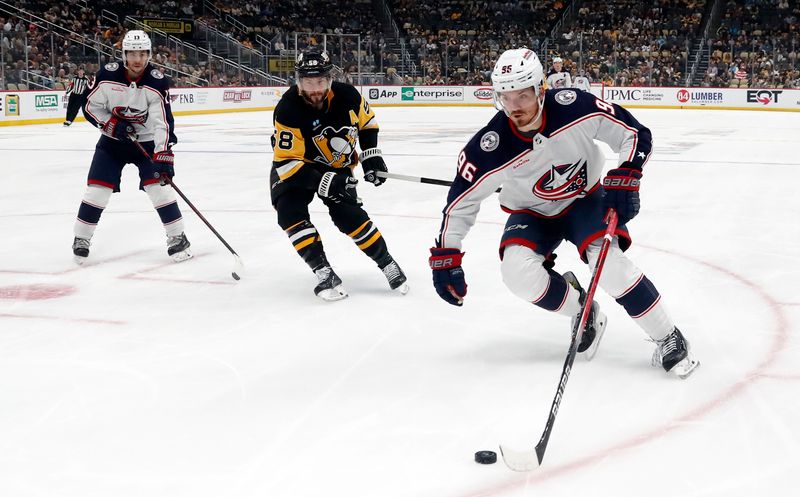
(562, 182)
(336, 146)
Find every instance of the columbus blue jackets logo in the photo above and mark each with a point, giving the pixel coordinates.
(337, 146)
(566, 97)
(562, 182)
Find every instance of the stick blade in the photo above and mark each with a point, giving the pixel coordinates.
(516, 460)
(238, 268)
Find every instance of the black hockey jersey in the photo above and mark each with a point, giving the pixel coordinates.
(543, 174)
(305, 135)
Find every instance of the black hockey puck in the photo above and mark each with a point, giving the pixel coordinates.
(485, 457)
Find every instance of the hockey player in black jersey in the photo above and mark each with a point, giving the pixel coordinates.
(130, 101)
(318, 123)
(540, 148)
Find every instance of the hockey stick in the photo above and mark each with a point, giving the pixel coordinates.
(528, 460)
(238, 267)
(418, 179)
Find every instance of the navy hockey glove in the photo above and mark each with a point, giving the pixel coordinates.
(372, 163)
(120, 125)
(164, 165)
(448, 276)
(339, 188)
(622, 192)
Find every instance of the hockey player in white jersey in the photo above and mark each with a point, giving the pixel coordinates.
(540, 148)
(130, 101)
(557, 77)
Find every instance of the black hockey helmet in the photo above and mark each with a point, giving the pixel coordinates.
(312, 63)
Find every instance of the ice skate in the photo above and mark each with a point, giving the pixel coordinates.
(67, 123)
(395, 276)
(330, 286)
(80, 249)
(178, 247)
(595, 324)
(672, 354)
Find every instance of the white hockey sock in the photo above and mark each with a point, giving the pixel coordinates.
(525, 276)
(620, 276)
(165, 203)
(95, 199)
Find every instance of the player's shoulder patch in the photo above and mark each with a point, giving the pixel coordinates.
(489, 141)
(156, 74)
(112, 66)
(566, 97)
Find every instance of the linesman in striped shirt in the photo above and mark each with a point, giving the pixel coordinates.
(77, 91)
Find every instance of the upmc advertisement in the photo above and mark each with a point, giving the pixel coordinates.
(723, 98)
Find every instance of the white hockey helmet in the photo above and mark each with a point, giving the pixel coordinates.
(136, 39)
(556, 60)
(517, 69)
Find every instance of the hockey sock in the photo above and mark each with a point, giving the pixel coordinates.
(94, 201)
(369, 240)
(559, 296)
(166, 205)
(307, 243)
(526, 276)
(642, 302)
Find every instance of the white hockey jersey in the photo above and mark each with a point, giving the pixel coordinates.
(558, 80)
(544, 174)
(148, 96)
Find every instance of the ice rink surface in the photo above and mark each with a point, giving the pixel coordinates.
(133, 376)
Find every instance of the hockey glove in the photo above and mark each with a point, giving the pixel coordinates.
(164, 165)
(448, 276)
(338, 188)
(372, 162)
(622, 192)
(120, 125)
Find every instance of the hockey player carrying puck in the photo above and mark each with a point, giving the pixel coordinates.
(540, 148)
(318, 123)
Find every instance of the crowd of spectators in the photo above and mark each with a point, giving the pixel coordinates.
(63, 36)
(628, 43)
(457, 41)
(757, 45)
(454, 42)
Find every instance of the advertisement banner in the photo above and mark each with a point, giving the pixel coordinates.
(180, 27)
(11, 105)
(38, 107)
(432, 93)
(428, 95)
(719, 98)
(281, 65)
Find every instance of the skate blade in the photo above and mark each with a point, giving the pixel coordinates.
(403, 289)
(181, 256)
(79, 260)
(589, 353)
(333, 294)
(685, 368)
